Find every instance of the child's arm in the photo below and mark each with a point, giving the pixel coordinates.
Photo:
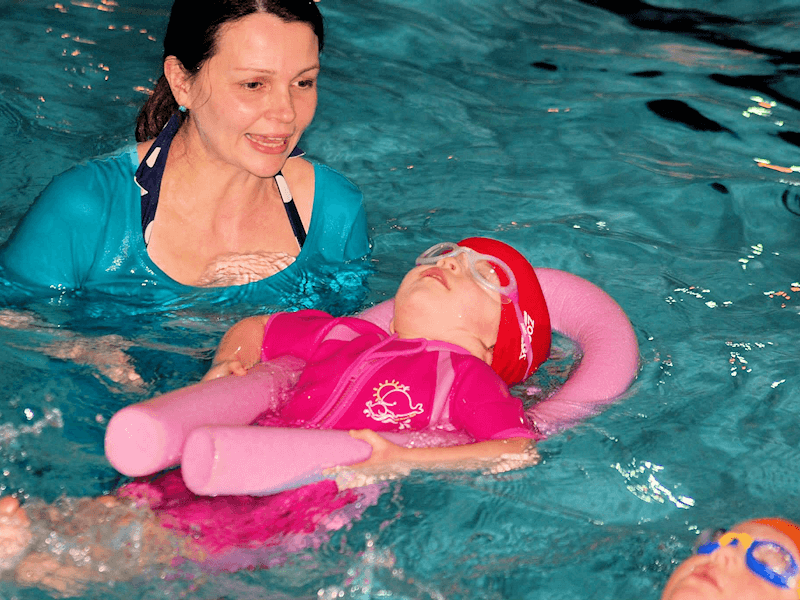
(386, 453)
(239, 349)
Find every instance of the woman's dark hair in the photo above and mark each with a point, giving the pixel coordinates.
(191, 37)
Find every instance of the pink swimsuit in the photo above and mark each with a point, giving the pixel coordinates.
(359, 377)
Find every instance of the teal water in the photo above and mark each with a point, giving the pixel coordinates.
(525, 120)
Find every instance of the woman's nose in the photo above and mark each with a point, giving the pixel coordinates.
(280, 105)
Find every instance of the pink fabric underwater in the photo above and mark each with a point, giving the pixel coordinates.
(240, 532)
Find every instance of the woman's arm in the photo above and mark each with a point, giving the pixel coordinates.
(54, 246)
(239, 349)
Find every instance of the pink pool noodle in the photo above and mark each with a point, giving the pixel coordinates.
(227, 460)
(148, 437)
(592, 319)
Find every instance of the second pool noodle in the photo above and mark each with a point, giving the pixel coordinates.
(219, 459)
(205, 427)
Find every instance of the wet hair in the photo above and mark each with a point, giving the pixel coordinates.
(192, 35)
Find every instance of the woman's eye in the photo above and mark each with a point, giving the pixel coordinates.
(252, 85)
(306, 83)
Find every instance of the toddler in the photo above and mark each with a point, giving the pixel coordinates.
(469, 320)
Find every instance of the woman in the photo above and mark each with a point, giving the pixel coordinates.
(755, 560)
(215, 194)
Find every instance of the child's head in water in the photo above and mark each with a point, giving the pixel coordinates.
(482, 295)
(756, 560)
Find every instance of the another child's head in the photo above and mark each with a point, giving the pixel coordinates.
(756, 560)
(482, 295)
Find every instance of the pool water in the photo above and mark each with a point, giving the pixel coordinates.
(649, 149)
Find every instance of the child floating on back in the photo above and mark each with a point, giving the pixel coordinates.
(469, 320)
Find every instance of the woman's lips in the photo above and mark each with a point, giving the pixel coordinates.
(269, 144)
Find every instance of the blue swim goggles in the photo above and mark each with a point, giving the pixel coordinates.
(769, 560)
(482, 267)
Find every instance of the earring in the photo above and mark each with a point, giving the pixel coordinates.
(182, 108)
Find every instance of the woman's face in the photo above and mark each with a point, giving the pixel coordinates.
(252, 100)
(724, 575)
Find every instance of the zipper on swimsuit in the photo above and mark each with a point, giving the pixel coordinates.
(344, 389)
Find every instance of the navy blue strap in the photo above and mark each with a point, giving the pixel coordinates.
(151, 170)
(291, 209)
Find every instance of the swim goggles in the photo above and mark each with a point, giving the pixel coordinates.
(769, 560)
(482, 267)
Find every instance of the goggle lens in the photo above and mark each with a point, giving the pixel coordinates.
(487, 273)
(774, 558)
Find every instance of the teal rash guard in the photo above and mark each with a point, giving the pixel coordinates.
(83, 233)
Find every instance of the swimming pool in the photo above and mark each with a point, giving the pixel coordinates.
(532, 121)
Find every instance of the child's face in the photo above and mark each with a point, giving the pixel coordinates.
(724, 575)
(444, 302)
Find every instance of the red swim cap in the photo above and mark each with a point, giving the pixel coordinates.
(784, 526)
(509, 359)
